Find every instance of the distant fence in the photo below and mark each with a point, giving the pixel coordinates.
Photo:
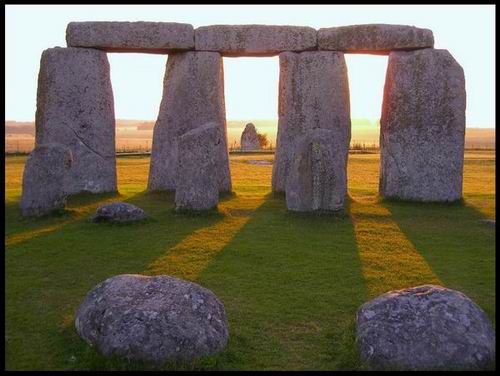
(21, 146)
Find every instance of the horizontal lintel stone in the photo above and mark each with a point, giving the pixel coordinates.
(146, 37)
(379, 39)
(255, 40)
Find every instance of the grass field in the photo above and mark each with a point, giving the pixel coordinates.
(291, 284)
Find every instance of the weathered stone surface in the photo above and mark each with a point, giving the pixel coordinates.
(197, 185)
(148, 37)
(44, 179)
(379, 39)
(249, 139)
(75, 108)
(254, 40)
(119, 212)
(423, 328)
(153, 319)
(313, 93)
(317, 179)
(193, 95)
(422, 127)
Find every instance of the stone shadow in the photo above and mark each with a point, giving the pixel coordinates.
(455, 243)
(51, 274)
(19, 229)
(291, 284)
(389, 259)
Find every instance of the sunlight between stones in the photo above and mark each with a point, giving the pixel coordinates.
(193, 254)
(389, 260)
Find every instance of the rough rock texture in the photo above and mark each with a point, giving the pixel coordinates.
(153, 319)
(193, 95)
(313, 93)
(249, 139)
(317, 179)
(119, 212)
(377, 39)
(75, 108)
(149, 37)
(44, 179)
(425, 327)
(254, 40)
(422, 127)
(197, 186)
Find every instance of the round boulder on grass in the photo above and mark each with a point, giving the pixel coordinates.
(424, 328)
(152, 319)
(119, 212)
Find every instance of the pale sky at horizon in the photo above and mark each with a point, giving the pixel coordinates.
(251, 84)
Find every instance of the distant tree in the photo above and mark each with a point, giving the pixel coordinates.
(263, 141)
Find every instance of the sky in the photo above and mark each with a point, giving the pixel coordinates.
(251, 84)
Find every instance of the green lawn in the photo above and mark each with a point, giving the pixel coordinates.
(291, 284)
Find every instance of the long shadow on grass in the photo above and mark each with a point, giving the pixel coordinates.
(291, 285)
(389, 259)
(19, 229)
(48, 277)
(455, 243)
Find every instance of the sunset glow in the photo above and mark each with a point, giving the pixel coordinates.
(251, 83)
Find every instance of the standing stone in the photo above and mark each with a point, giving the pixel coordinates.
(44, 179)
(313, 93)
(197, 185)
(249, 139)
(193, 95)
(317, 179)
(424, 328)
(75, 108)
(422, 127)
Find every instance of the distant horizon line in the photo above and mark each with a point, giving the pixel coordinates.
(260, 119)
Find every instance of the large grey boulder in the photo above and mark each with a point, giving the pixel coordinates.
(379, 39)
(152, 319)
(197, 185)
(254, 40)
(317, 179)
(44, 179)
(75, 108)
(313, 93)
(424, 328)
(193, 95)
(149, 37)
(422, 127)
(249, 138)
(119, 212)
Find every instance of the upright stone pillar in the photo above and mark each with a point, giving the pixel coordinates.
(193, 95)
(313, 93)
(75, 108)
(317, 176)
(422, 127)
(197, 187)
(44, 179)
